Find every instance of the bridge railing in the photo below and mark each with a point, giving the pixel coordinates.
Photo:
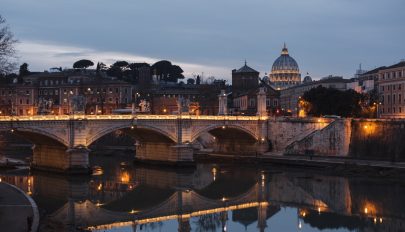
(128, 117)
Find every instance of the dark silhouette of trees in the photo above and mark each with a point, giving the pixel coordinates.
(198, 80)
(82, 64)
(190, 81)
(167, 72)
(330, 101)
(24, 70)
(117, 69)
(7, 50)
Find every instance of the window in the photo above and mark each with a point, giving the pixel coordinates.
(27, 101)
(393, 99)
(399, 98)
(400, 110)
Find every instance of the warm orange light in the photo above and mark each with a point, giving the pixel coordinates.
(125, 177)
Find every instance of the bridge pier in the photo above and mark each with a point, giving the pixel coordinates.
(169, 153)
(240, 147)
(58, 159)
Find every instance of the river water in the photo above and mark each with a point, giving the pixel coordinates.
(122, 196)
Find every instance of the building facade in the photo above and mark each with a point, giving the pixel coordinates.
(391, 89)
(60, 93)
(244, 79)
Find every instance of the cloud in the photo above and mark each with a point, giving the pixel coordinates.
(42, 55)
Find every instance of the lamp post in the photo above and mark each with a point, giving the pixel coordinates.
(298, 106)
(134, 103)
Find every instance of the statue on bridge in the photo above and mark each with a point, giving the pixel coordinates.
(77, 104)
(183, 105)
(44, 106)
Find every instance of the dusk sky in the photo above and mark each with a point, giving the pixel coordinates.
(324, 36)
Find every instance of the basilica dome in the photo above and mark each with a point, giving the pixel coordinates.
(285, 62)
(285, 72)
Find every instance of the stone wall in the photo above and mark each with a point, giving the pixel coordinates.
(284, 131)
(378, 139)
(359, 138)
(332, 140)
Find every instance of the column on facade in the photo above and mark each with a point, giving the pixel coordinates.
(223, 103)
(261, 102)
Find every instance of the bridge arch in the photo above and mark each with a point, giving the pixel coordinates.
(210, 128)
(37, 136)
(132, 130)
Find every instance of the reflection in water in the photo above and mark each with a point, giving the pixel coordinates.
(124, 197)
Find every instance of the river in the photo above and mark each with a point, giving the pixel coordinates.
(123, 196)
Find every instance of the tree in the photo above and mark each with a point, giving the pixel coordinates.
(121, 64)
(24, 70)
(83, 64)
(198, 81)
(190, 81)
(136, 66)
(329, 101)
(7, 50)
(117, 69)
(167, 72)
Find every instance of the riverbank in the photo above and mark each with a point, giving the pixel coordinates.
(344, 165)
(18, 211)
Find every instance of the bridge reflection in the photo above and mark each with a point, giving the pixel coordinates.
(135, 197)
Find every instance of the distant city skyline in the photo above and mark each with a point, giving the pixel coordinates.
(324, 36)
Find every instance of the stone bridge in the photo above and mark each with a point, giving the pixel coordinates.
(62, 142)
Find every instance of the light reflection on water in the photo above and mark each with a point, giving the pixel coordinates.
(127, 197)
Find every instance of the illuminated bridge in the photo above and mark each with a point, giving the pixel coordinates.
(62, 142)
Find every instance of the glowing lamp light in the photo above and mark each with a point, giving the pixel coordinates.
(132, 127)
(12, 130)
(223, 127)
(366, 210)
